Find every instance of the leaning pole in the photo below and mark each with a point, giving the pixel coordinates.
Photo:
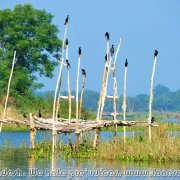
(9, 84)
(151, 94)
(57, 87)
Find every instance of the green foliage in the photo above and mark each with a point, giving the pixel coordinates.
(36, 40)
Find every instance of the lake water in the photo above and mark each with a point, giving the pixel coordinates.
(29, 168)
(58, 168)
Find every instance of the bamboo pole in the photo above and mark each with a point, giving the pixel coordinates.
(151, 94)
(115, 95)
(124, 100)
(77, 89)
(96, 138)
(82, 92)
(104, 77)
(68, 81)
(9, 84)
(32, 131)
(55, 104)
(107, 76)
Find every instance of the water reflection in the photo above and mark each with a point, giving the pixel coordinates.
(70, 168)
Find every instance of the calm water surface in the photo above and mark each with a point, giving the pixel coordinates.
(59, 168)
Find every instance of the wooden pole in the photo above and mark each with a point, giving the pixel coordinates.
(104, 79)
(114, 96)
(77, 89)
(32, 131)
(9, 83)
(151, 94)
(96, 138)
(57, 89)
(82, 92)
(68, 82)
(70, 141)
(124, 100)
(77, 142)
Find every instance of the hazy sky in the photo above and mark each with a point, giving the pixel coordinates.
(143, 27)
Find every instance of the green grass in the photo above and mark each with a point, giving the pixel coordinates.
(162, 149)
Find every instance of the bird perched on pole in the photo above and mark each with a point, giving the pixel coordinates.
(39, 114)
(83, 72)
(155, 53)
(66, 42)
(105, 58)
(79, 51)
(68, 64)
(66, 20)
(152, 120)
(112, 50)
(107, 35)
(126, 63)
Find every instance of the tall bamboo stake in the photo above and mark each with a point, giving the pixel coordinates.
(115, 96)
(68, 81)
(151, 94)
(124, 100)
(106, 80)
(55, 105)
(82, 92)
(77, 89)
(104, 77)
(9, 84)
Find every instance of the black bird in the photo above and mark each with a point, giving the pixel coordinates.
(155, 53)
(112, 50)
(67, 42)
(105, 58)
(79, 51)
(107, 35)
(24, 115)
(83, 72)
(58, 115)
(68, 64)
(126, 63)
(66, 20)
(40, 115)
(152, 120)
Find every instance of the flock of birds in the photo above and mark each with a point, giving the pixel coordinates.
(112, 50)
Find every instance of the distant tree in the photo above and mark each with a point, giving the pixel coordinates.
(160, 90)
(36, 40)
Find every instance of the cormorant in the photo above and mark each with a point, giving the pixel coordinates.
(126, 63)
(66, 20)
(83, 72)
(67, 42)
(107, 35)
(152, 120)
(79, 51)
(112, 50)
(40, 115)
(58, 115)
(105, 58)
(155, 53)
(68, 64)
(24, 115)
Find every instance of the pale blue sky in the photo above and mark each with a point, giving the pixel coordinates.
(144, 25)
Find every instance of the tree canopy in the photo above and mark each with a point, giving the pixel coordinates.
(35, 38)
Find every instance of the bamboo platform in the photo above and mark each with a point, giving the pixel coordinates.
(63, 125)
